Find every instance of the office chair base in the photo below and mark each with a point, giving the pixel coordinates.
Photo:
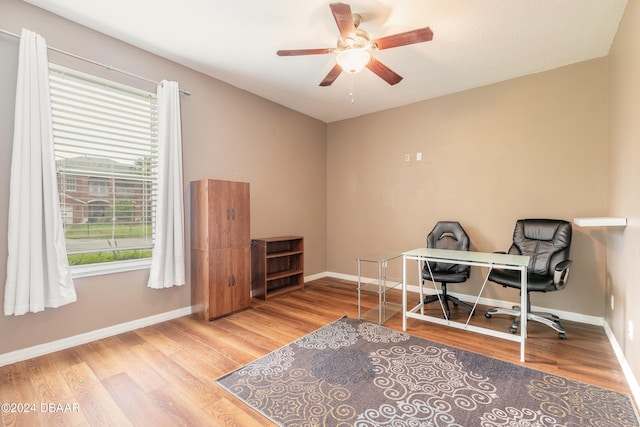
(445, 298)
(551, 320)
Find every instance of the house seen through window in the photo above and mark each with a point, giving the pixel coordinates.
(105, 143)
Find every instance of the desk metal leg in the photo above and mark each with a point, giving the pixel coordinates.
(523, 310)
(404, 292)
(421, 286)
(380, 290)
(384, 282)
(359, 286)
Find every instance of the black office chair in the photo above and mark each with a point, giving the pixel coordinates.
(447, 235)
(547, 243)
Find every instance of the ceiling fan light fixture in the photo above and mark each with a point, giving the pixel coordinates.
(353, 60)
(354, 47)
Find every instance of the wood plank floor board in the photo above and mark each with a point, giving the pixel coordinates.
(136, 403)
(66, 357)
(272, 315)
(283, 314)
(207, 372)
(297, 318)
(257, 344)
(164, 374)
(135, 367)
(314, 311)
(189, 384)
(92, 397)
(266, 326)
(17, 389)
(131, 338)
(217, 342)
(97, 355)
(51, 388)
(179, 408)
(198, 344)
(161, 342)
(206, 345)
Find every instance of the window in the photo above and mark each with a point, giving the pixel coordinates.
(70, 184)
(105, 143)
(98, 187)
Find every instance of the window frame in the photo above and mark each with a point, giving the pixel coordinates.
(110, 267)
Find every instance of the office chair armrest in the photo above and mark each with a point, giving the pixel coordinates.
(561, 274)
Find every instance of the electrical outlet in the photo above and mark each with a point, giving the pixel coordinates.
(407, 157)
(418, 156)
(612, 300)
(630, 330)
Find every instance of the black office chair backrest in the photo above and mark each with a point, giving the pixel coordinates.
(546, 241)
(448, 235)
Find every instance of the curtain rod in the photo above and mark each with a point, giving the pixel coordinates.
(91, 61)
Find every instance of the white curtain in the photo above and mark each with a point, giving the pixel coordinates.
(38, 274)
(168, 260)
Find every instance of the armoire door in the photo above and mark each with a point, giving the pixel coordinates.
(229, 281)
(240, 220)
(229, 214)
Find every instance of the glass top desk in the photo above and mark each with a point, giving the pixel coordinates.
(482, 259)
(385, 310)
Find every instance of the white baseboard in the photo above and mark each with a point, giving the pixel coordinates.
(316, 276)
(626, 369)
(50, 347)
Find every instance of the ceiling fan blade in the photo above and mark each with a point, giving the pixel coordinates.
(296, 52)
(384, 72)
(332, 76)
(344, 20)
(403, 39)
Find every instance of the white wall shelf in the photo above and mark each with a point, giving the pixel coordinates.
(601, 221)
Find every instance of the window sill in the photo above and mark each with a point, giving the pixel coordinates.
(89, 270)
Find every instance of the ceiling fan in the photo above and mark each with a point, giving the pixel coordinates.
(353, 51)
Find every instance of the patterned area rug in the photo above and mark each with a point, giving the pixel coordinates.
(357, 373)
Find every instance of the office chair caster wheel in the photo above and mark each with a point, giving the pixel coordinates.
(562, 336)
(487, 315)
(513, 330)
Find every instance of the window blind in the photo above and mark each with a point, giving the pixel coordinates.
(105, 143)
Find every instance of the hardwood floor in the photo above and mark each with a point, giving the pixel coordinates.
(164, 375)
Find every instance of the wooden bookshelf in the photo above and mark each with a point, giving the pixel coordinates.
(277, 266)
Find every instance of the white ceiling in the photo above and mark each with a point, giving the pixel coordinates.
(475, 43)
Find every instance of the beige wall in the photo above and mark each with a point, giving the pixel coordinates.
(529, 147)
(227, 134)
(623, 255)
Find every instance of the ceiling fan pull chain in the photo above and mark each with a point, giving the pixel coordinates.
(351, 86)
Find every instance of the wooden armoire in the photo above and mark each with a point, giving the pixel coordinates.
(220, 247)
